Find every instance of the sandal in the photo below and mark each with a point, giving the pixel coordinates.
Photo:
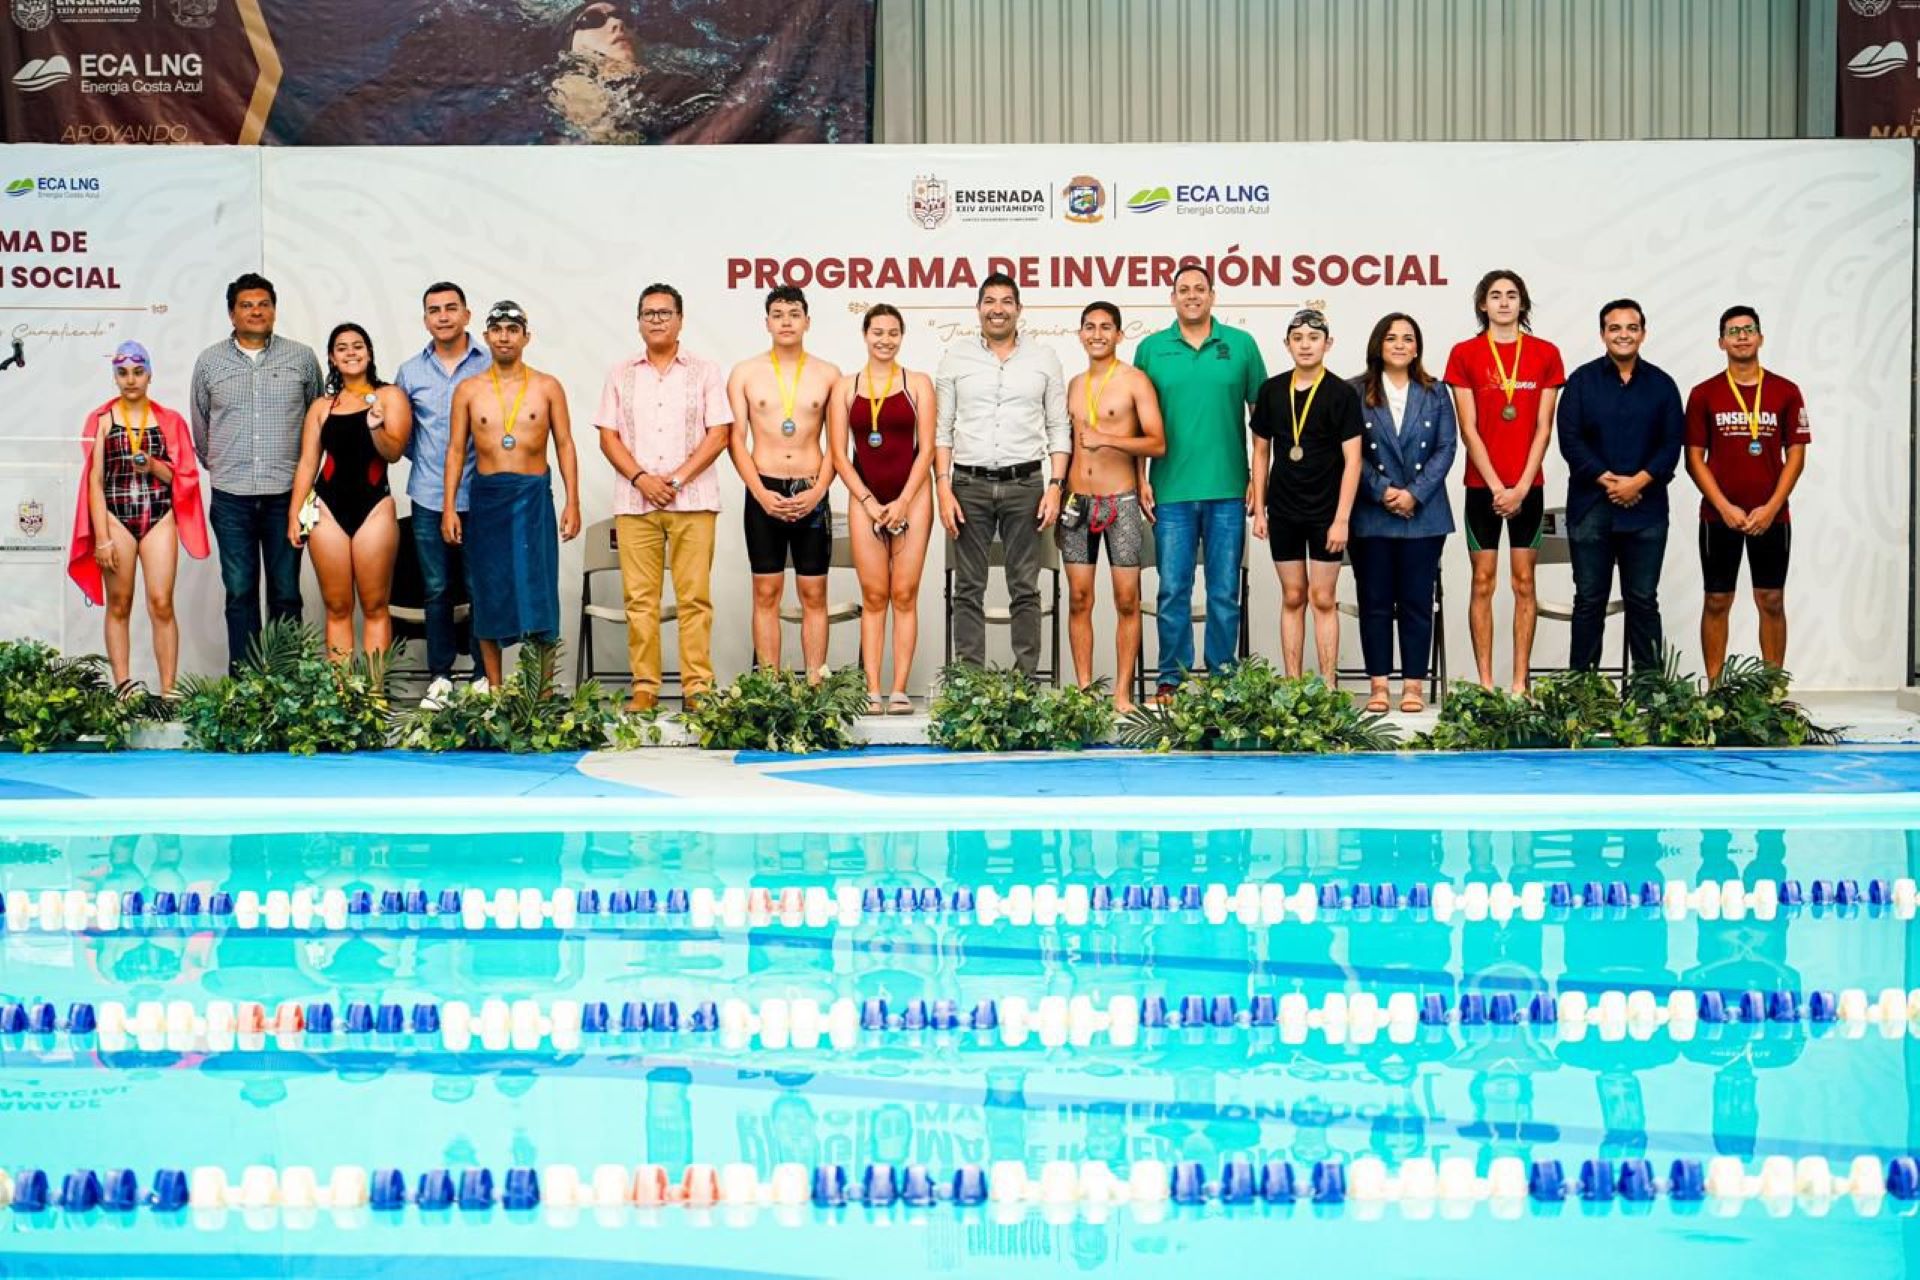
(900, 705)
(1377, 704)
(875, 707)
(1412, 704)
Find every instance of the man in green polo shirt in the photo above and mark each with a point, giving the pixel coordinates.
(1207, 375)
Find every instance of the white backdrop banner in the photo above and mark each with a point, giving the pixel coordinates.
(99, 245)
(1818, 236)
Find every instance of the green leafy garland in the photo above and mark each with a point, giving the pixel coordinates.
(1250, 706)
(770, 709)
(47, 701)
(995, 709)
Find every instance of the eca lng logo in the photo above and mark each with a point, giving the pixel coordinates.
(1877, 60)
(40, 74)
(32, 15)
(932, 203)
(1084, 198)
(116, 74)
(52, 188)
(1147, 199)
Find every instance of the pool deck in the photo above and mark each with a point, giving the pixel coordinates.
(915, 787)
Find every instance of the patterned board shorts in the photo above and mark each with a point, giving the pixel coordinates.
(1114, 518)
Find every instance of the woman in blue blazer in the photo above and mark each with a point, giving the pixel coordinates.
(1401, 516)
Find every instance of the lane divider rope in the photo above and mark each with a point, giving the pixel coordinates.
(568, 1026)
(1086, 1188)
(819, 906)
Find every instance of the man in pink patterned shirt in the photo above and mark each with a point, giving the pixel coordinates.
(663, 422)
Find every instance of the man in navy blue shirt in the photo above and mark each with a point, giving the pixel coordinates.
(1621, 432)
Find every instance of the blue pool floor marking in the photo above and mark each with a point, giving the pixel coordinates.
(1835, 771)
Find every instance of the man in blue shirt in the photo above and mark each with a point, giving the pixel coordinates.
(1621, 432)
(429, 379)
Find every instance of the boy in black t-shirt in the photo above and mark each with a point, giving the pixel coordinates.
(1306, 470)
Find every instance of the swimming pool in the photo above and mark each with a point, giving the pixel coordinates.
(1059, 1049)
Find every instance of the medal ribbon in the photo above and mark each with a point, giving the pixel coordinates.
(137, 444)
(513, 414)
(1753, 414)
(873, 402)
(1507, 384)
(1301, 415)
(790, 398)
(1093, 396)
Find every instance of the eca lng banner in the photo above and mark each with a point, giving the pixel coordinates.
(355, 72)
(1818, 236)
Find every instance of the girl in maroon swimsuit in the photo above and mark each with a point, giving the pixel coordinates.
(880, 423)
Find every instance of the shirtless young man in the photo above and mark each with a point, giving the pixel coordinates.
(513, 556)
(777, 441)
(1116, 428)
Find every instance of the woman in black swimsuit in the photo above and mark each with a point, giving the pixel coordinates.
(351, 434)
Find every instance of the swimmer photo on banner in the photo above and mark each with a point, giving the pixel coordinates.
(435, 72)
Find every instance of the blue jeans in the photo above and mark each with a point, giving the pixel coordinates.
(1394, 578)
(1595, 547)
(1182, 531)
(251, 531)
(441, 566)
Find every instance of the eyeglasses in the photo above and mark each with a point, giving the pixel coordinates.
(657, 316)
(1741, 331)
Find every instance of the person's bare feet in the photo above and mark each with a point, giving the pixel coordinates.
(1122, 705)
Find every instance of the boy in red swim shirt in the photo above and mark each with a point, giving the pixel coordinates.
(1747, 440)
(1505, 383)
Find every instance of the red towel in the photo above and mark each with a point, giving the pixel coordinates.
(189, 515)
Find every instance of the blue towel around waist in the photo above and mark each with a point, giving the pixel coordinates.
(513, 557)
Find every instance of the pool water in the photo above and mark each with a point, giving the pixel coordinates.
(898, 1096)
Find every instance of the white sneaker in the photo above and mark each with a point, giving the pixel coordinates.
(480, 686)
(437, 694)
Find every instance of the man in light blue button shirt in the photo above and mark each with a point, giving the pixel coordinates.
(429, 379)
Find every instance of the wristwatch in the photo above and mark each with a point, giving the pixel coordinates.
(676, 483)
(1054, 482)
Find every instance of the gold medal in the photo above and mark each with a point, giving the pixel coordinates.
(1752, 415)
(1508, 384)
(874, 404)
(513, 414)
(1301, 414)
(788, 398)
